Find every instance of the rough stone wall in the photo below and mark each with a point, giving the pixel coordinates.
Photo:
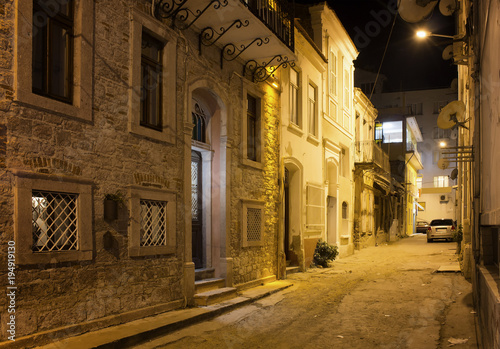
(251, 263)
(103, 151)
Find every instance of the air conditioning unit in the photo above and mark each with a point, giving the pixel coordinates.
(444, 198)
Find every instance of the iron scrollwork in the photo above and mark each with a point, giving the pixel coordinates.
(261, 72)
(230, 52)
(210, 36)
(182, 16)
(168, 8)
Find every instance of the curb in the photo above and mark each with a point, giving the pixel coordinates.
(138, 331)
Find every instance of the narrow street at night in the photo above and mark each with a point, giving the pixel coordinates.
(388, 296)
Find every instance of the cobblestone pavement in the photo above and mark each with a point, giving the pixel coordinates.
(388, 296)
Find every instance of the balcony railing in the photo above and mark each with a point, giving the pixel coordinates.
(277, 15)
(370, 152)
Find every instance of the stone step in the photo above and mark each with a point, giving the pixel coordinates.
(215, 296)
(208, 285)
(292, 270)
(205, 273)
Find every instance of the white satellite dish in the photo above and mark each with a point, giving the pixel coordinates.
(451, 115)
(447, 7)
(414, 11)
(448, 52)
(443, 164)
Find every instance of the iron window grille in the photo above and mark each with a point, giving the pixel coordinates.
(254, 224)
(151, 82)
(55, 221)
(52, 54)
(153, 223)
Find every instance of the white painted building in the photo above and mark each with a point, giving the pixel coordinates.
(317, 133)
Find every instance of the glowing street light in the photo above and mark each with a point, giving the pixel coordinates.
(442, 144)
(423, 34)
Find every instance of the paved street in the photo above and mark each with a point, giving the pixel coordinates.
(382, 297)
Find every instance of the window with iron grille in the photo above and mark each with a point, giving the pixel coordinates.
(52, 219)
(153, 219)
(153, 223)
(254, 220)
(253, 223)
(55, 221)
(52, 54)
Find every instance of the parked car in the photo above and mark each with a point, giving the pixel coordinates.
(441, 229)
(422, 226)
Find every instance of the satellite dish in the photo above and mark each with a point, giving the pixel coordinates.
(448, 52)
(454, 85)
(454, 174)
(447, 7)
(443, 164)
(414, 11)
(451, 115)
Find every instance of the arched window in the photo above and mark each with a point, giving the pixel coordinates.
(200, 123)
(344, 210)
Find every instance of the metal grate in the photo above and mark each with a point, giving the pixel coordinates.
(254, 224)
(153, 223)
(55, 221)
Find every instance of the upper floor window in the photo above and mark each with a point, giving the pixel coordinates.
(52, 53)
(345, 211)
(294, 97)
(439, 133)
(440, 181)
(438, 106)
(312, 110)
(392, 132)
(416, 109)
(332, 66)
(347, 89)
(151, 72)
(200, 123)
(252, 128)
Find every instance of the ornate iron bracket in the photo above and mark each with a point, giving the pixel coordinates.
(262, 72)
(207, 35)
(179, 13)
(230, 52)
(167, 8)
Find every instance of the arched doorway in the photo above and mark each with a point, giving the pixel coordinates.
(205, 184)
(332, 204)
(292, 215)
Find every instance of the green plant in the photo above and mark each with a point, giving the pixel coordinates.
(117, 196)
(324, 253)
(458, 235)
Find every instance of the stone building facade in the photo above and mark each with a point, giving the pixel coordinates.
(130, 107)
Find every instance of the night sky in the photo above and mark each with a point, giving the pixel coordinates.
(409, 63)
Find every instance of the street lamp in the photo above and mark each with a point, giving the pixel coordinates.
(442, 144)
(423, 34)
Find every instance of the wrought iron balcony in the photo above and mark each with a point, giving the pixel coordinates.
(369, 152)
(277, 15)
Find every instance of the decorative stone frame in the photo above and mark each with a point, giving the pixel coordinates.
(251, 89)
(23, 229)
(140, 23)
(255, 204)
(136, 194)
(83, 44)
